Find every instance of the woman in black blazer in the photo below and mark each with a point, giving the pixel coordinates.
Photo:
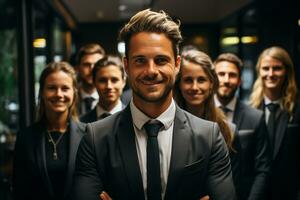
(45, 152)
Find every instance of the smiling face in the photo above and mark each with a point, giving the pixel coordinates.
(109, 83)
(229, 80)
(151, 68)
(273, 73)
(195, 85)
(58, 93)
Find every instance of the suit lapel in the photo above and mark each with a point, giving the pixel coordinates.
(41, 157)
(75, 138)
(126, 140)
(280, 131)
(238, 115)
(179, 151)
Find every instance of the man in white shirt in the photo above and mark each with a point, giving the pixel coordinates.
(251, 161)
(86, 58)
(109, 81)
(152, 149)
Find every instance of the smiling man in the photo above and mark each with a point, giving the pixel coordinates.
(152, 149)
(109, 81)
(251, 161)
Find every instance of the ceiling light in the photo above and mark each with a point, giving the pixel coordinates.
(249, 39)
(39, 43)
(230, 40)
(122, 7)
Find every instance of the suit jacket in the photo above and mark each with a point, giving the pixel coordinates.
(107, 160)
(30, 178)
(285, 169)
(251, 161)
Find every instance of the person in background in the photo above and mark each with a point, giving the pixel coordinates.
(250, 177)
(195, 87)
(45, 152)
(109, 80)
(152, 149)
(86, 58)
(275, 93)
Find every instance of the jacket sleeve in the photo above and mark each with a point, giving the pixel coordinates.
(220, 183)
(87, 183)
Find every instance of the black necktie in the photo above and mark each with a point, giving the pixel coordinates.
(272, 121)
(104, 115)
(153, 163)
(88, 103)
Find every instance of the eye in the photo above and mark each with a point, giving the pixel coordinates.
(265, 68)
(233, 75)
(187, 80)
(140, 60)
(161, 60)
(102, 80)
(221, 74)
(201, 79)
(65, 88)
(115, 80)
(278, 68)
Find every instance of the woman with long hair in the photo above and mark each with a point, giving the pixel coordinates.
(45, 152)
(195, 87)
(275, 93)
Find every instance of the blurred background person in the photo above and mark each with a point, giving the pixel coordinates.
(250, 177)
(275, 93)
(109, 81)
(45, 152)
(87, 56)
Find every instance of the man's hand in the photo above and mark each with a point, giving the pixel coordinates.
(205, 198)
(105, 196)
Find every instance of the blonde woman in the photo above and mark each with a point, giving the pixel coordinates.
(275, 93)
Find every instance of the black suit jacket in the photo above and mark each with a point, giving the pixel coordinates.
(107, 160)
(30, 178)
(251, 162)
(285, 170)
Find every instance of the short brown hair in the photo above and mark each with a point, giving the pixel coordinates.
(232, 58)
(150, 21)
(91, 48)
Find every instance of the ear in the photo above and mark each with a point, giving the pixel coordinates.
(125, 63)
(177, 64)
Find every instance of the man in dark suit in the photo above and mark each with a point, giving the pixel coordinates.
(86, 58)
(152, 149)
(251, 161)
(109, 81)
(275, 93)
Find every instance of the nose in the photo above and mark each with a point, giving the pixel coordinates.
(194, 85)
(226, 78)
(59, 92)
(109, 84)
(270, 71)
(151, 68)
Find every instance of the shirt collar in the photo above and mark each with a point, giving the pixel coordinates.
(115, 109)
(231, 105)
(166, 118)
(268, 101)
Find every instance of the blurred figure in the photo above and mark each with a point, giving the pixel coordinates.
(45, 152)
(250, 176)
(275, 93)
(109, 80)
(87, 56)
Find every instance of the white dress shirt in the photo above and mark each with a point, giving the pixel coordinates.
(164, 138)
(230, 107)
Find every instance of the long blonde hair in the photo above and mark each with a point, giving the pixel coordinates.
(289, 89)
(211, 112)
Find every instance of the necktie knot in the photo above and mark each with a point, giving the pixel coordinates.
(272, 107)
(104, 115)
(152, 128)
(88, 103)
